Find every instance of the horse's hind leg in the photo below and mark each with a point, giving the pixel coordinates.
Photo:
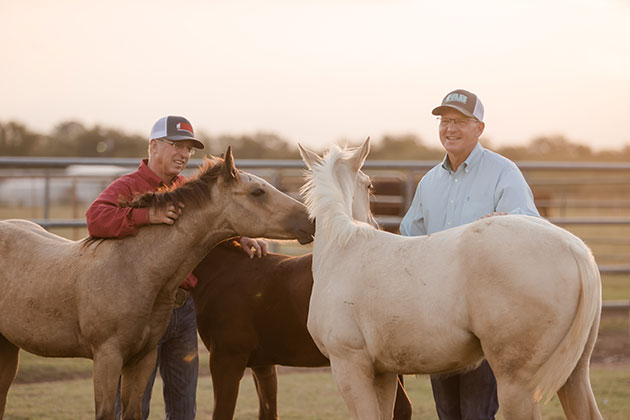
(516, 402)
(266, 380)
(576, 395)
(9, 357)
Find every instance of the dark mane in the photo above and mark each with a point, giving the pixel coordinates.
(191, 193)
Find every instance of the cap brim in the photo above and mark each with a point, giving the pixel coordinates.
(440, 110)
(197, 144)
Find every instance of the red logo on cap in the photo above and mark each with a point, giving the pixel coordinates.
(185, 127)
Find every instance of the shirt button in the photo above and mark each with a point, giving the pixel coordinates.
(452, 201)
(449, 223)
(456, 180)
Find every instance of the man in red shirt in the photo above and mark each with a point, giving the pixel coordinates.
(171, 144)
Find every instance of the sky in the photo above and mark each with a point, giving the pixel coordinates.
(321, 71)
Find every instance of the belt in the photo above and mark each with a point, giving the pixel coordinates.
(181, 296)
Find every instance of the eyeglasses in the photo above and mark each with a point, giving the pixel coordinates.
(179, 147)
(459, 122)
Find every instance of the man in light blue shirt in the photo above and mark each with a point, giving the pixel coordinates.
(470, 183)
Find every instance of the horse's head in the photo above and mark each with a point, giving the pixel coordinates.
(253, 207)
(339, 178)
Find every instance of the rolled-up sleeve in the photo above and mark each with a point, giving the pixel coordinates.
(107, 219)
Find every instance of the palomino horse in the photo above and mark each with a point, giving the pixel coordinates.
(252, 313)
(110, 300)
(517, 290)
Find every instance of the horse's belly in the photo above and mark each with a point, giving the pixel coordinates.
(428, 359)
(52, 340)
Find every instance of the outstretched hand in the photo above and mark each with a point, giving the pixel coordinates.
(253, 247)
(495, 213)
(166, 215)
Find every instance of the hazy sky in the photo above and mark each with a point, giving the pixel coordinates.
(319, 71)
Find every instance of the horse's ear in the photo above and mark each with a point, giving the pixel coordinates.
(310, 158)
(230, 169)
(360, 154)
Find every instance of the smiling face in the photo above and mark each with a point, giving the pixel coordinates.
(459, 138)
(168, 161)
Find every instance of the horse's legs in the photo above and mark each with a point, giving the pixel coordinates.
(266, 380)
(9, 357)
(385, 384)
(227, 370)
(355, 380)
(576, 395)
(402, 407)
(516, 402)
(135, 376)
(107, 368)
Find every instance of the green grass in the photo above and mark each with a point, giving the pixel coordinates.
(302, 395)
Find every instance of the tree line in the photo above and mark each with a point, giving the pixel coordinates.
(73, 139)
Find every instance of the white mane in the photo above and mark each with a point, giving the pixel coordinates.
(328, 195)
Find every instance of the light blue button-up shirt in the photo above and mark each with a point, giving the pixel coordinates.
(485, 182)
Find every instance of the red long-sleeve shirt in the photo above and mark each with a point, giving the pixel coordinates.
(106, 218)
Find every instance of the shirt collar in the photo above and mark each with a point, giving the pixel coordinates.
(152, 178)
(472, 159)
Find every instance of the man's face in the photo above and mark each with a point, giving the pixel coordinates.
(170, 158)
(460, 136)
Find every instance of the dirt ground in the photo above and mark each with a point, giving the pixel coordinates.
(613, 342)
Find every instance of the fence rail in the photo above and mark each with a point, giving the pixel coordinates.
(554, 185)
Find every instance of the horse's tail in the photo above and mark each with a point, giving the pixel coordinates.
(562, 361)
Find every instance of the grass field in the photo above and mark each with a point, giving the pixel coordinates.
(303, 394)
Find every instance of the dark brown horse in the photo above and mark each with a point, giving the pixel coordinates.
(252, 313)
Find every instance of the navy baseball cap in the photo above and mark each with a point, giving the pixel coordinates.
(463, 101)
(175, 129)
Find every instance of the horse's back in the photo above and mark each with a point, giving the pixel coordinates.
(264, 299)
(471, 280)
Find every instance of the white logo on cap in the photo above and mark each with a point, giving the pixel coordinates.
(457, 97)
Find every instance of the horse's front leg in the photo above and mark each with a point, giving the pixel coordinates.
(354, 376)
(135, 376)
(266, 380)
(226, 369)
(107, 367)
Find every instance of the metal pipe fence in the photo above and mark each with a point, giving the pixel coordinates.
(591, 197)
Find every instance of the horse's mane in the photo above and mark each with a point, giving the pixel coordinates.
(328, 195)
(191, 193)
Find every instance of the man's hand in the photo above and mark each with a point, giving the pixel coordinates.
(167, 215)
(253, 247)
(495, 213)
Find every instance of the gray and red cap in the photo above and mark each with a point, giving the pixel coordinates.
(174, 128)
(463, 101)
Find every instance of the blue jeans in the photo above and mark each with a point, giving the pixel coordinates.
(178, 361)
(467, 396)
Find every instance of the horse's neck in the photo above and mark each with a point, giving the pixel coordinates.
(177, 249)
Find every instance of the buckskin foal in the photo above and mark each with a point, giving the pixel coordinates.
(110, 299)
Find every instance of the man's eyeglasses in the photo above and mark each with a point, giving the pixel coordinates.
(180, 147)
(459, 122)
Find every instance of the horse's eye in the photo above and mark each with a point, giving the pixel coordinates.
(258, 192)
